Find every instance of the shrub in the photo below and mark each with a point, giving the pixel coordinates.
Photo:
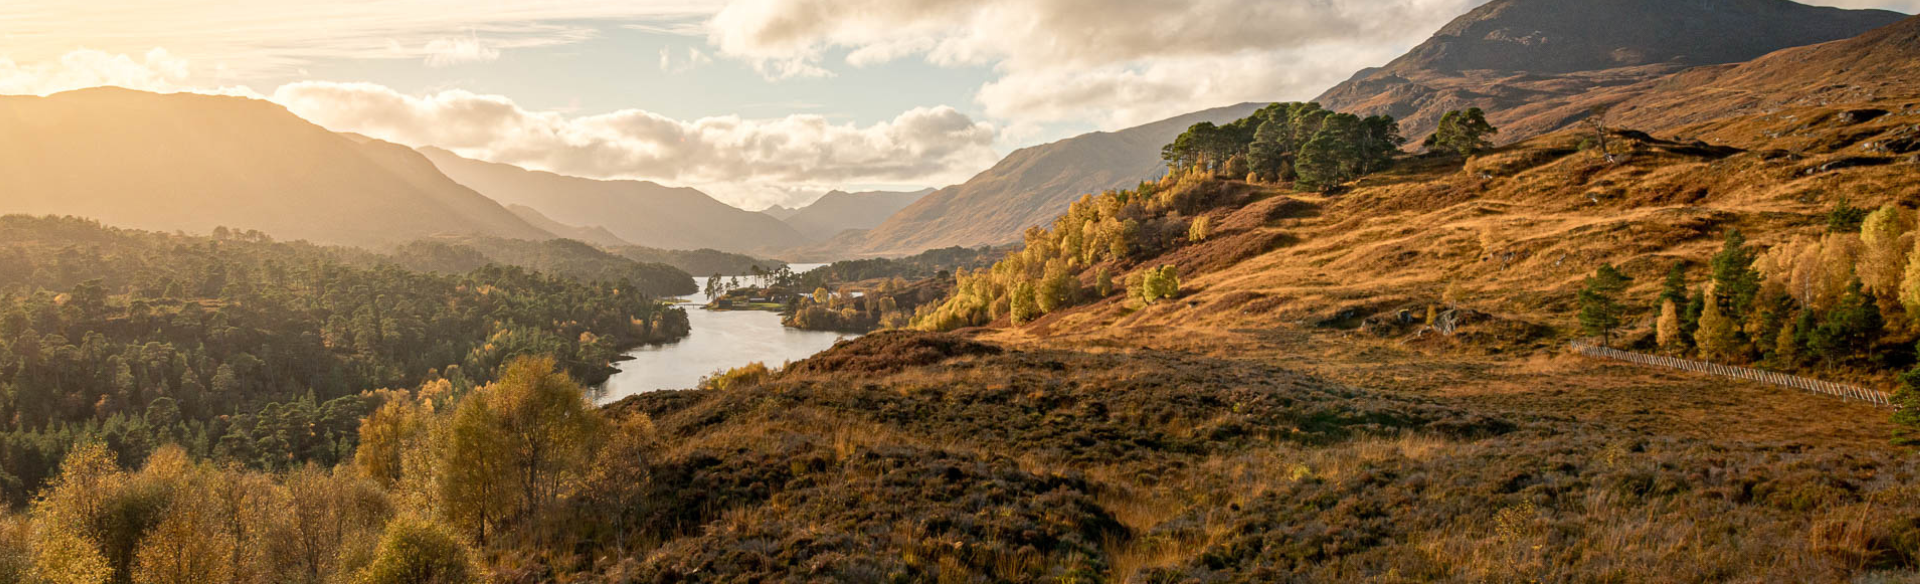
(742, 376)
(418, 551)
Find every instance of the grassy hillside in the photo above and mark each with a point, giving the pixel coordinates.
(1030, 187)
(1539, 65)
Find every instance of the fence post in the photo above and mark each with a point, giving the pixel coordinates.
(1840, 390)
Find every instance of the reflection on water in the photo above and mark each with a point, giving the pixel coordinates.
(720, 340)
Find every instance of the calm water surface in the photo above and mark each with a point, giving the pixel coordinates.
(720, 340)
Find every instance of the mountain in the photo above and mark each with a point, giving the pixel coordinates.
(1540, 65)
(1029, 187)
(839, 211)
(779, 212)
(640, 212)
(190, 162)
(1880, 65)
(594, 235)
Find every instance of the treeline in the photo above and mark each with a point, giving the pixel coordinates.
(519, 479)
(698, 261)
(1085, 255)
(927, 264)
(1314, 148)
(889, 305)
(1846, 302)
(561, 257)
(1094, 250)
(243, 350)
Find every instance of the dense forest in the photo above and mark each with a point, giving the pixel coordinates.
(697, 261)
(244, 350)
(932, 263)
(561, 257)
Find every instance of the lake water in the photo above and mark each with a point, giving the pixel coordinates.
(720, 340)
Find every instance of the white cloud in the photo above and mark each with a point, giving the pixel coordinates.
(1907, 6)
(694, 60)
(158, 71)
(278, 36)
(1110, 62)
(447, 52)
(750, 161)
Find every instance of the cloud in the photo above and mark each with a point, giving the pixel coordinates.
(158, 71)
(754, 161)
(447, 52)
(695, 59)
(276, 37)
(1907, 6)
(1111, 62)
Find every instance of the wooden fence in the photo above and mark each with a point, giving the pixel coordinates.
(1844, 391)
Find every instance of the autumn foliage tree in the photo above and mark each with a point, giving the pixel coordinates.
(514, 446)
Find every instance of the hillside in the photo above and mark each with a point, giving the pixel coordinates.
(1713, 102)
(640, 212)
(594, 235)
(195, 162)
(839, 211)
(1027, 188)
(1540, 65)
(1508, 237)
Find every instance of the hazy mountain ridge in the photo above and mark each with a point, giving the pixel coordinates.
(640, 212)
(1029, 187)
(595, 235)
(1540, 65)
(193, 162)
(839, 211)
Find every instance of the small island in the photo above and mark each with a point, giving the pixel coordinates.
(855, 296)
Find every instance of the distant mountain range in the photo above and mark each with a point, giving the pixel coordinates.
(1537, 66)
(639, 212)
(839, 211)
(193, 162)
(1029, 187)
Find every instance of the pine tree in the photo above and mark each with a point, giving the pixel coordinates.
(1851, 327)
(1907, 401)
(1462, 132)
(1734, 278)
(1674, 289)
(1600, 309)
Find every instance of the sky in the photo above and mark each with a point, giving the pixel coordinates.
(757, 102)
